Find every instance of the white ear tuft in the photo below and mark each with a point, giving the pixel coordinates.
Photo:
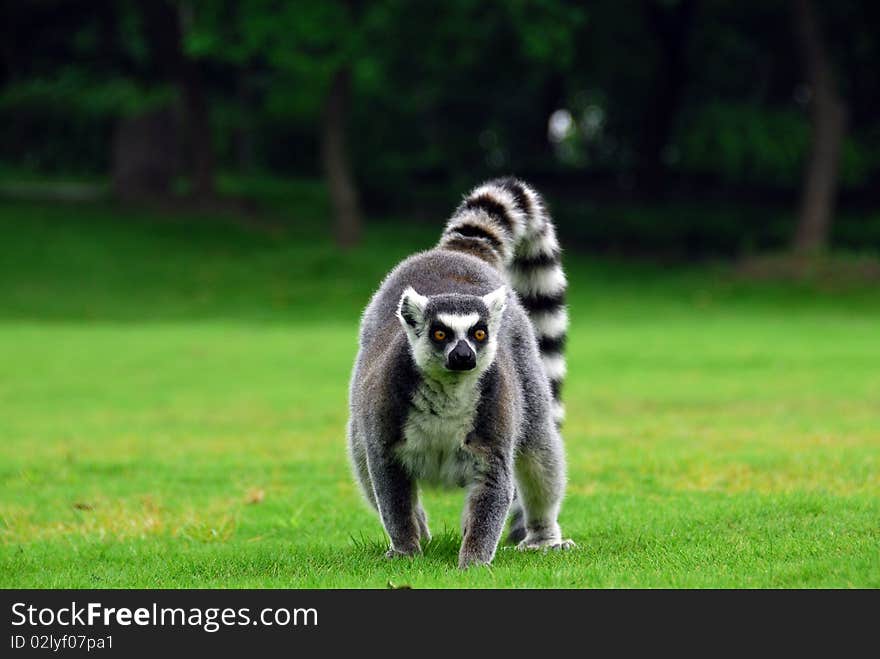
(496, 302)
(411, 309)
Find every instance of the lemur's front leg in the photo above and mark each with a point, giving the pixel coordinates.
(395, 497)
(485, 513)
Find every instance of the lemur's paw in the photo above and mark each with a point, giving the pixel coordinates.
(402, 553)
(466, 561)
(545, 544)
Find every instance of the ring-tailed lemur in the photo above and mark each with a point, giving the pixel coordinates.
(457, 380)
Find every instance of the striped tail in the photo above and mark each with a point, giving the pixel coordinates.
(505, 222)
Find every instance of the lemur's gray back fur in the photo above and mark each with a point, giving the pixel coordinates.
(506, 223)
(457, 380)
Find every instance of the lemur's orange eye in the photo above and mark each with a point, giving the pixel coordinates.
(439, 335)
(480, 335)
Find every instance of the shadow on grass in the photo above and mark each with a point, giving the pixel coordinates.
(442, 547)
(440, 555)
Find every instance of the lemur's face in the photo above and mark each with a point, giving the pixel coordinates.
(452, 333)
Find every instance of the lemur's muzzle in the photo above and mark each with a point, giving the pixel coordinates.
(462, 358)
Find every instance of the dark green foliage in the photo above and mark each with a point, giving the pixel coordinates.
(677, 100)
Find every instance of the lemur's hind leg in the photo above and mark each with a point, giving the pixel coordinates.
(422, 521)
(540, 484)
(517, 531)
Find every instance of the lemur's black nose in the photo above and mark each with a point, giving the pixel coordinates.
(462, 358)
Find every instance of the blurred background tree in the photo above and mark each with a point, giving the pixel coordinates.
(687, 127)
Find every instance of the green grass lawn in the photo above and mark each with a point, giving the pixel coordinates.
(173, 401)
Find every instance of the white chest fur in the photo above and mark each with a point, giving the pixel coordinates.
(440, 417)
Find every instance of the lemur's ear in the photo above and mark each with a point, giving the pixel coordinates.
(411, 309)
(496, 302)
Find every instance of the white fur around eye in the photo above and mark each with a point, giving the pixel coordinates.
(459, 323)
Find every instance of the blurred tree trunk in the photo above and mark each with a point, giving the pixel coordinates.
(348, 224)
(165, 28)
(145, 147)
(196, 114)
(245, 139)
(198, 130)
(672, 25)
(144, 158)
(828, 119)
